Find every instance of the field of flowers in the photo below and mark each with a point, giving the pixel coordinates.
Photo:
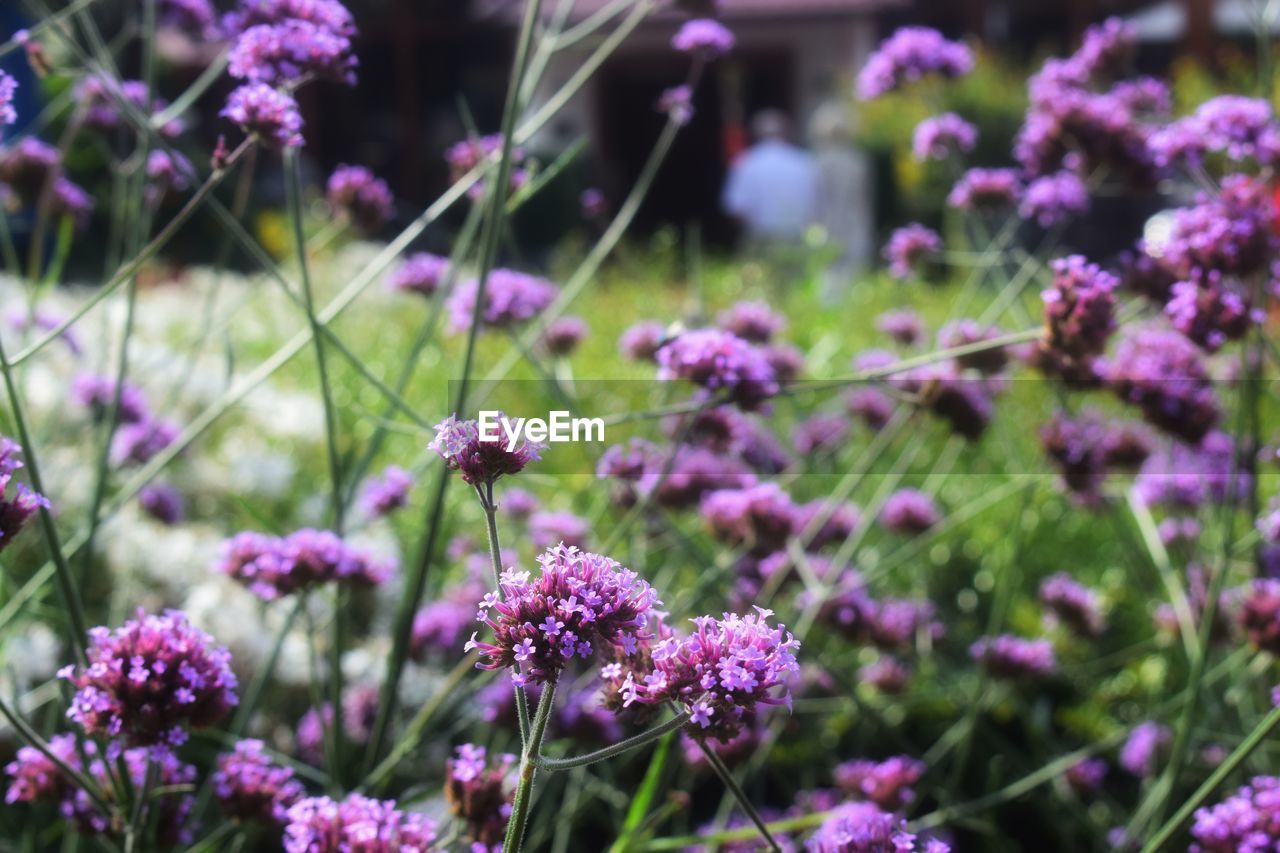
(982, 556)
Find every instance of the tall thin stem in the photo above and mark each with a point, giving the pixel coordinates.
(528, 769)
(495, 560)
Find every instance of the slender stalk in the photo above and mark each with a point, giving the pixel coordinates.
(528, 769)
(616, 749)
(744, 802)
(495, 561)
(30, 736)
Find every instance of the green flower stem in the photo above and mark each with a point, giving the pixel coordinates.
(29, 736)
(744, 802)
(528, 768)
(495, 560)
(555, 764)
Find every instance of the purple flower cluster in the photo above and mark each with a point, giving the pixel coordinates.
(1242, 129)
(720, 673)
(510, 298)
(357, 823)
(251, 787)
(136, 443)
(1072, 604)
(27, 165)
(150, 680)
(1209, 314)
(865, 828)
(290, 52)
(677, 104)
(563, 334)
(167, 175)
(940, 137)
(908, 247)
(1079, 308)
(267, 113)
(1053, 199)
(328, 14)
(909, 512)
(1229, 233)
(904, 326)
(719, 362)
(480, 459)
(911, 54)
(8, 88)
(97, 393)
(1189, 476)
(479, 795)
(1007, 656)
(387, 493)
(756, 322)
(272, 567)
(420, 273)
(1248, 820)
(820, 433)
(966, 332)
(549, 528)
(362, 197)
(163, 503)
(986, 190)
(759, 518)
(1086, 448)
(16, 507)
(99, 97)
(1260, 614)
(580, 604)
(703, 37)
(1162, 373)
(1141, 750)
(642, 341)
(886, 783)
(1086, 775)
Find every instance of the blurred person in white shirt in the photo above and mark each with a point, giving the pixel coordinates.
(844, 208)
(772, 189)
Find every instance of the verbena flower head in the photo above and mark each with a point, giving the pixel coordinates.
(1260, 614)
(904, 326)
(152, 679)
(1007, 656)
(942, 136)
(163, 503)
(479, 458)
(8, 88)
(479, 794)
(909, 512)
(272, 567)
(1140, 752)
(720, 363)
(136, 443)
(510, 298)
(357, 823)
(267, 113)
(563, 334)
(16, 505)
(704, 37)
(549, 528)
(909, 55)
(888, 784)
(909, 247)
(70, 200)
(1248, 821)
(1209, 313)
(1072, 604)
(97, 393)
(677, 104)
(27, 165)
(421, 272)
(721, 673)
(167, 175)
(759, 517)
(865, 828)
(579, 605)
(820, 433)
(251, 787)
(1242, 129)
(1086, 775)
(1079, 308)
(1184, 476)
(1163, 374)
(35, 778)
(1228, 233)
(328, 14)
(290, 52)
(986, 190)
(967, 332)
(642, 341)
(387, 493)
(1054, 199)
(361, 196)
(756, 322)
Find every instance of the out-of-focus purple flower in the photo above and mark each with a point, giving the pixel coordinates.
(1140, 752)
(1079, 308)
(911, 54)
(759, 518)
(167, 175)
(97, 393)
(940, 137)
(677, 104)
(321, 825)
(195, 16)
(756, 322)
(1144, 96)
(1105, 48)
(820, 433)
(719, 362)
(1260, 614)
(1074, 128)
(137, 442)
(563, 334)
(1248, 820)
(966, 332)
(1242, 129)
(27, 165)
(519, 504)
(8, 88)
(1086, 775)
(251, 787)
(267, 113)
(721, 673)
(1210, 314)
(440, 625)
(1054, 199)
(909, 512)
(904, 326)
(480, 795)
(579, 604)
(1179, 531)
(642, 341)
(909, 247)
(1188, 477)
(362, 197)
(272, 567)
(886, 783)
(1141, 273)
(98, 98)
(327, 14)
(510, 298)
(480, 458)
(1072, 604)
(786, 361)
(593, 203)
(1229, 233)
(1163, 374)
(705, 37)
(35, 778)
(1007, 656)
(387, 493)
(420, 272)
(1077, 448)
(871, 406)
(152, 679)
(289, 52)
(887, 674)
(70, 200)
(163, 503)
(864, 828)
(42, 318)
(551, 528)
(986, 190)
